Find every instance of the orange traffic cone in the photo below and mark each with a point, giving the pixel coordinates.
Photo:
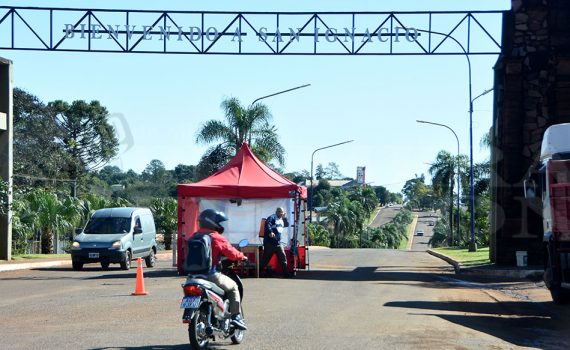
(139, 289)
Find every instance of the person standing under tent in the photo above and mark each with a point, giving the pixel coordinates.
(274, 226)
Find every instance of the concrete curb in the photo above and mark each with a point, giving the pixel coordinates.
(510, 273)
(161, 255)
(446, 258)
(33, 265)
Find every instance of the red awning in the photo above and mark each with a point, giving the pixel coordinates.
(245, 176)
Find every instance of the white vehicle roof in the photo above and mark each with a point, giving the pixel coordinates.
(556, 140)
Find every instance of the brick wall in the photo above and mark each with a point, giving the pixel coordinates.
(532, 92)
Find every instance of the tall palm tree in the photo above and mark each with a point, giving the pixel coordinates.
(242, 124)
(443, 173)
(346, 218)
(366, 197)
(338, 216)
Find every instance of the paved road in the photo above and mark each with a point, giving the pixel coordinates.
(351, 299)
(420, 243)
(385, 215)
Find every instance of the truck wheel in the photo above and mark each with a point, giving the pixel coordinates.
(105, 265)
(559, 295)
(150, 260)
(126, 264)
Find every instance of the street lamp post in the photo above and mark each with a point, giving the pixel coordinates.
(278, 93)
(472, 245)
(458, 177)
(271, 95)
(312, 189)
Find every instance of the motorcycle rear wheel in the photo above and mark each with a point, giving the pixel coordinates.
(197, 331)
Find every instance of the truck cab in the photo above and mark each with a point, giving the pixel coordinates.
(551, 182)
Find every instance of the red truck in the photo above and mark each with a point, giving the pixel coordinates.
(551, 182)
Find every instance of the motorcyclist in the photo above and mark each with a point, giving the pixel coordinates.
(209, 221)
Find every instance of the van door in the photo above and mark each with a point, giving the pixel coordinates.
(149, 231)
(138, 238)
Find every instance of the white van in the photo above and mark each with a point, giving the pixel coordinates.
(116, 236)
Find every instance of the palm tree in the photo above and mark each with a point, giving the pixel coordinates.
(251, 125)
(341, 219)
(347, 220)
(366, 197)
(53, 216)
(23, 225)
(92, 202)
(443, 173)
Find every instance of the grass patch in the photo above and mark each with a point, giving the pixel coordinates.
(23, 257)
(409, 233)
(404, 244)
(373, 215)
(466, 258)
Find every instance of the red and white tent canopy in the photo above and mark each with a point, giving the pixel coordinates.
(245, 176)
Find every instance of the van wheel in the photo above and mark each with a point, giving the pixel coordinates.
(77, 266)
(126, 264)
(105, 265)
(150, 260)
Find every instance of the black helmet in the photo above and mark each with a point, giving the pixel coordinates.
(211, 219)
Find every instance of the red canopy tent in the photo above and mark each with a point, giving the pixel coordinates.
(245, 177)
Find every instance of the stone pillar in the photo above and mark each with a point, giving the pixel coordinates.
(532, 92)
(6, 137)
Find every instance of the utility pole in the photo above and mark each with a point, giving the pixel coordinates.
(6, 156)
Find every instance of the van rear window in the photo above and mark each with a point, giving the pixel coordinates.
(108, 226)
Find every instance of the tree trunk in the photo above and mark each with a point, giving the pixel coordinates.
(450, 241)
(168, 240)
(47, 242)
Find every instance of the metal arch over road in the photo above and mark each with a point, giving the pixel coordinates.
(250, 33)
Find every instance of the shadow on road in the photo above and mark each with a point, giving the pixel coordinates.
(517, 322)
(513, 308)
(149, 273)
(371, 273)
(89, 273)
(166, 347)
(37, 278)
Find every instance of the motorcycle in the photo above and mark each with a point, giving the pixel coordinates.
(206, 311)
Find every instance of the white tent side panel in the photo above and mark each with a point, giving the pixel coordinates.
(244, 219)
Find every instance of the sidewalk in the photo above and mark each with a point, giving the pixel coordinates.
(531, 272)
(25, 264)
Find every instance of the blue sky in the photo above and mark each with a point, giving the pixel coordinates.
(161, 100)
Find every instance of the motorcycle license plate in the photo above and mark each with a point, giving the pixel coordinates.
(93, 255)
(190, 303)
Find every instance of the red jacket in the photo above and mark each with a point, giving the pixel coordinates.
(222, 247)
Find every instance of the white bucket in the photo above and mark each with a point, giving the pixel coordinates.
(522, 258)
